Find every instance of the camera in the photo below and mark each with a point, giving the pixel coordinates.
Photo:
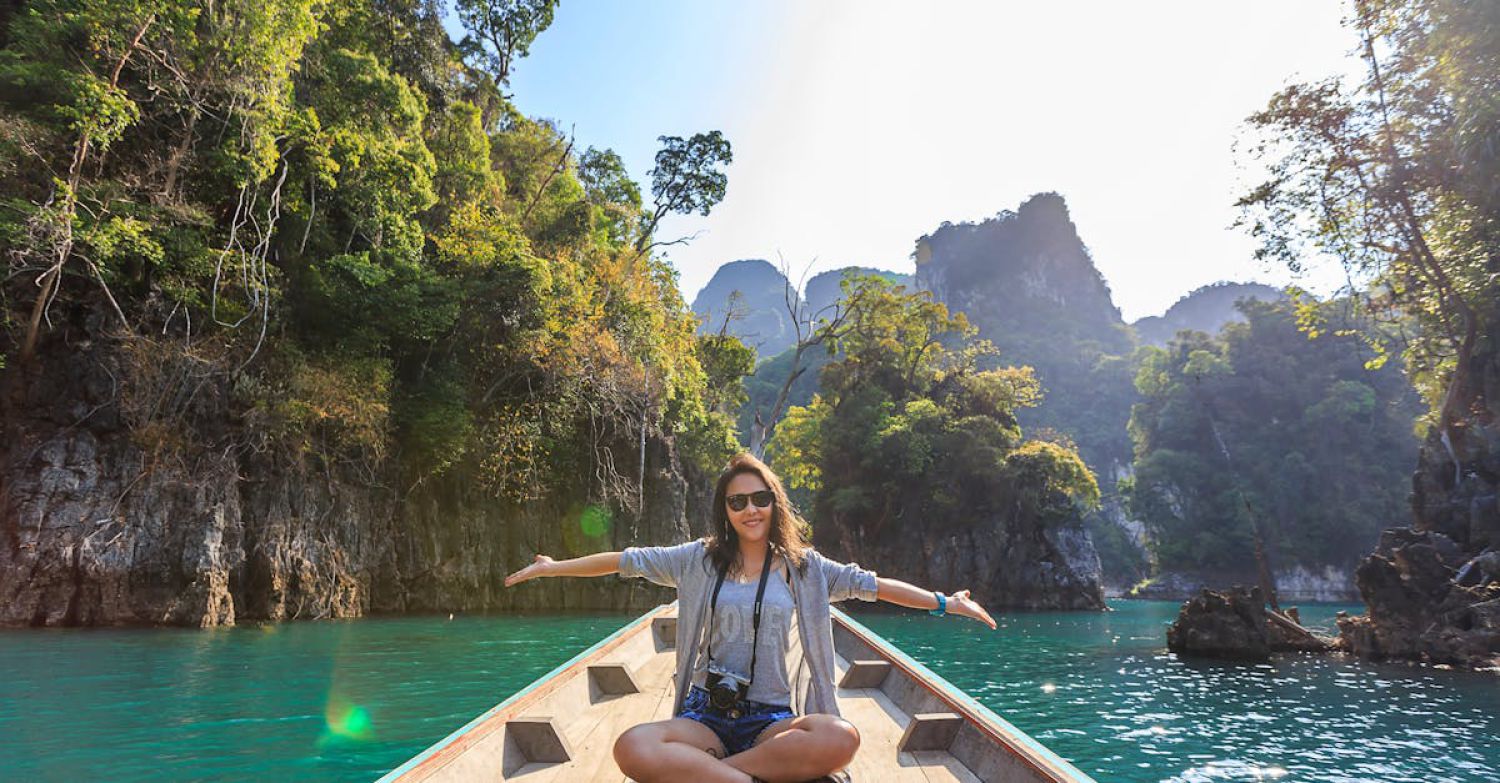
(726, 691)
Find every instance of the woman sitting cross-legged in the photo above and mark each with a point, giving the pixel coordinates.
(739, 591)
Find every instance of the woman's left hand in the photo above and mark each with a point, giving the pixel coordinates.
(960, 603)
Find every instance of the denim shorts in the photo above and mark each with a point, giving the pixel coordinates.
(738, 735)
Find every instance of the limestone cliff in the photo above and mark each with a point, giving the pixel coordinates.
(1025, 279)
(1016, 566)
(103, 523)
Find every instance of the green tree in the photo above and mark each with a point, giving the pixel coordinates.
(396, 268)
(1264, 426)
(499, 32)
(909, 432)
(1395, 178)
(686, 179)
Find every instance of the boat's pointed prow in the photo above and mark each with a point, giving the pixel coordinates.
(914, 726)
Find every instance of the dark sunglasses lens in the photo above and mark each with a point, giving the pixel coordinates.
(763, 498)
(737, 502)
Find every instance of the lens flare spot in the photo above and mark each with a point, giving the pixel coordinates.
(1048, 687)
(349, 721)
(594, 521)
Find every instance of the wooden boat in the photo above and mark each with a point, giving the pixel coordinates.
(913, 724)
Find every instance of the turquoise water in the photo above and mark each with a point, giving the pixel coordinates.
(350, 700)
(1102, 691)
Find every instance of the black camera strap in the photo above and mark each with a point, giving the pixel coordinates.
(760, 594)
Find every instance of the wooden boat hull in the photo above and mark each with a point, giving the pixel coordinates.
(914, 725)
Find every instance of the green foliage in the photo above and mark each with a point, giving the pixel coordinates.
(910, 431)
(686, 178)
(501, 31)
(612, 192)
(335, 405)
(1394, 177)
(762, 387)
(396, 266)
(1268, 424)
(726, 361)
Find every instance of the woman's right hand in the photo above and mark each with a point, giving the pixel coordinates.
(540, 566)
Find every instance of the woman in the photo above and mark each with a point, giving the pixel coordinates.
(746, 584)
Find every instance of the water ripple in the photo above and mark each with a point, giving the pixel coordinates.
(1124, 709)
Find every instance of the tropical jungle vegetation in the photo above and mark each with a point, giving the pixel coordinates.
(1266, 427)
(909, 429)
(337, 207)
(1396, 177)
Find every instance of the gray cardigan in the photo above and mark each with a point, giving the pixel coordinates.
(820, 582)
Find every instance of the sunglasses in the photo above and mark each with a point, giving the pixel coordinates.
(761, 499)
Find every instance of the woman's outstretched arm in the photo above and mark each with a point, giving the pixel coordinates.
(589, 565)
(903, 594)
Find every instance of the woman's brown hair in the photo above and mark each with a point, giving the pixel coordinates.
(788, 535)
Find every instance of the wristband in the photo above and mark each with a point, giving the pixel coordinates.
(942, 607)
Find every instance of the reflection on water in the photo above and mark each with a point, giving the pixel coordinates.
(350, 700)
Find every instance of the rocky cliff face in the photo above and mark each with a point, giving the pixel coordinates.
(1433, 590)
(1010, 563)
(1027, 282)
(101, 524)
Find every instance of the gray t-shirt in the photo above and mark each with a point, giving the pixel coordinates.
(814, 587)
(734, 628)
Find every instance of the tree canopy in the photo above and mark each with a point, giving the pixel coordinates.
(334, 207)
(1265, 425)
(908, 429)
(1394, 177)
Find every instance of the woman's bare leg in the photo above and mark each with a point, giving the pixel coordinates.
(674, 750)
(801, 748)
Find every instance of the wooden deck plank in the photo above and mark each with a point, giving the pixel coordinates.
(595, 727)
(590, 720)
(596, 752)
(881, 725)
(941, 767)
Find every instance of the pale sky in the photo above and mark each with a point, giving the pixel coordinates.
(860, 125)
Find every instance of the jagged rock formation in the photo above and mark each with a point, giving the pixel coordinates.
(101, 526)
(1205, 309)
(1433, 590)
(1229, 624)
(751, 295)
(1027, 282)
(1235, 624)
(1427, 602)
